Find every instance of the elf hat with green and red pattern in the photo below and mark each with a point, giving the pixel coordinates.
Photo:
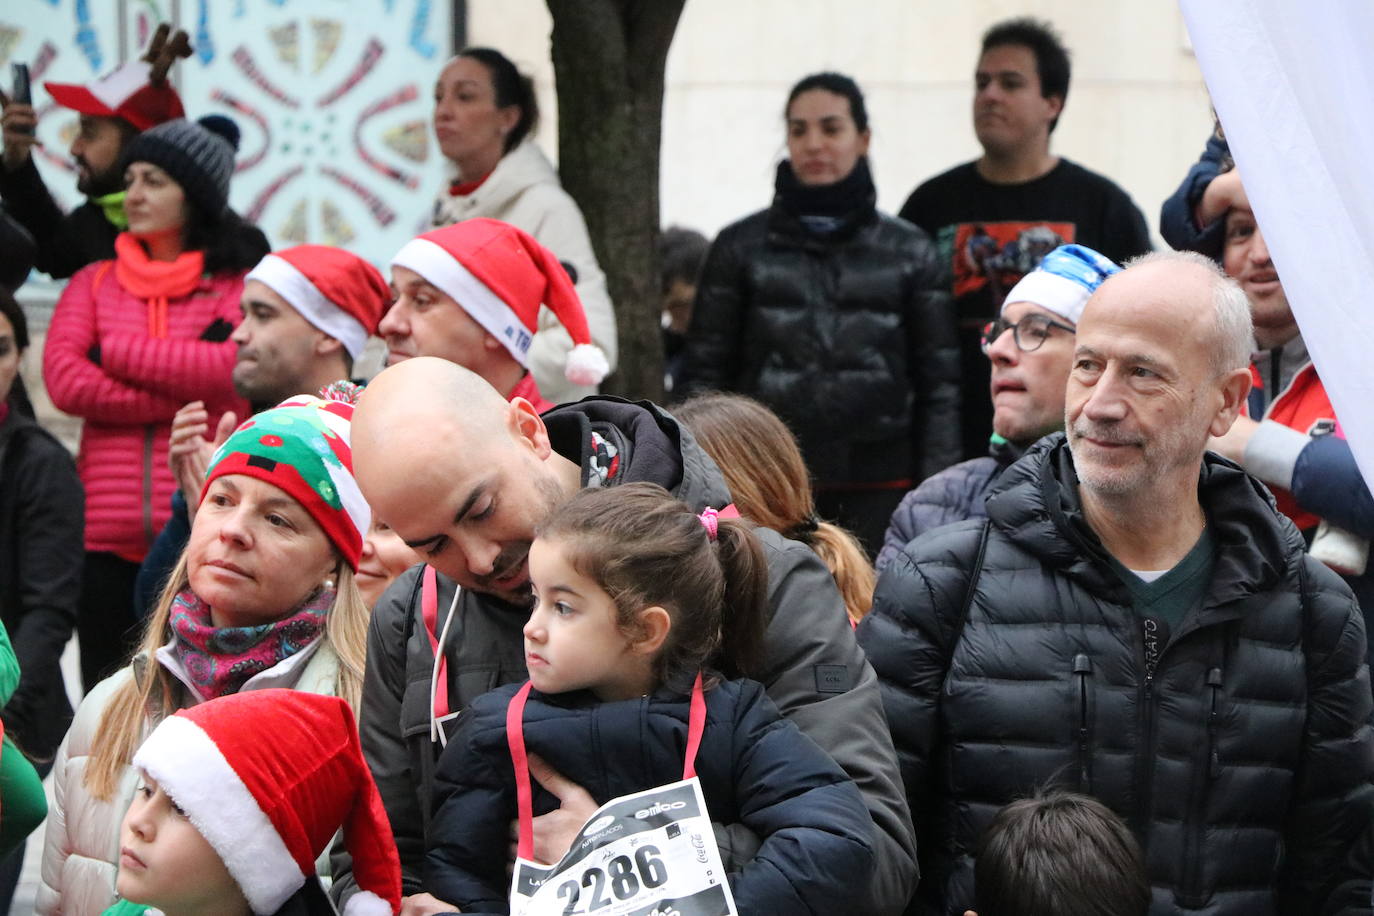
(303, 447)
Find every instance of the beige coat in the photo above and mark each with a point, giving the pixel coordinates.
(524, 191)
(81, 844)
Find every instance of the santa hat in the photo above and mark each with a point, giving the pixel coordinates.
(500, 276)
(124, 92)
(335, 290)
(1064, 280)
(268, 777)
(303, 445)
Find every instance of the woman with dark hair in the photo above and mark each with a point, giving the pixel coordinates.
(485, 114)
(132, 340)
(834, 316)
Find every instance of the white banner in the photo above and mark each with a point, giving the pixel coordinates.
(1293, 84)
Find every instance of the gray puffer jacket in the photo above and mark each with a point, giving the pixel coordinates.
(814, 673)
(1244, 763)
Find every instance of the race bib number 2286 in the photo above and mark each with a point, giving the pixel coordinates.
(652, 853)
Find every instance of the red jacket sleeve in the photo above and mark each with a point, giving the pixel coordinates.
(80, 387)
(186, 369)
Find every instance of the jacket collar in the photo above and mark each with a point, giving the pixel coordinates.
(653, 446)
(786, 222)
(1036, 504)
(518, 170)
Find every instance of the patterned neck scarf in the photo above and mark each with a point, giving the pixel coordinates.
(220, 659)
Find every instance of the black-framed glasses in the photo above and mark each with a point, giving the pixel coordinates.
(1028, 333)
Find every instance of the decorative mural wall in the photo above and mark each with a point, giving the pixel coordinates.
(333, 98)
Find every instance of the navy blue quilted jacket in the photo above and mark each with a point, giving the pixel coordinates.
(954, 494)
(755, 767)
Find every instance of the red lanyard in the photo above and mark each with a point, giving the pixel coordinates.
(429, 611)
(515, 736)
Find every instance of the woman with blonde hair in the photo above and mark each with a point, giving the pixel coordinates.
(263, 596)
(763, 467)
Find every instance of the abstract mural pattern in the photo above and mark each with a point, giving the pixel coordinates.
(333, 98)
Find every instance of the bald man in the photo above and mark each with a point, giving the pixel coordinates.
(1136, 621)
(464, 477)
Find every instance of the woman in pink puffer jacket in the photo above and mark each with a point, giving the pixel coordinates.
(134, 339)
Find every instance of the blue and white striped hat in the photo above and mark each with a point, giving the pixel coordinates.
(1064, 280)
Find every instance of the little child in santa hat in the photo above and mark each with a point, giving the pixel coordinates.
(238, 797)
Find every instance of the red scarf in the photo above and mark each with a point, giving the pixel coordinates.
(464, 188)
(156, 282)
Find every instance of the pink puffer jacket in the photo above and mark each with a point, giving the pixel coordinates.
(129, 397)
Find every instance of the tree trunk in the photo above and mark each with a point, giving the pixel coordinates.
(608, 61)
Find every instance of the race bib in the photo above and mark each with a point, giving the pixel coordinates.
(652, 853)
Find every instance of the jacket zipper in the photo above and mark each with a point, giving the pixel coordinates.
(149, 535)
(1145, 751)
(1191, 894)
(1082, 668)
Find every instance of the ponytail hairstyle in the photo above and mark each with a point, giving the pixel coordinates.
(512, 88)
(768, 480)
(647, 549)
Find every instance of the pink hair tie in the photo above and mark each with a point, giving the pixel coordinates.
(709, 520)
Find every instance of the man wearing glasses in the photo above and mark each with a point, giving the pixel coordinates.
(1030, 367)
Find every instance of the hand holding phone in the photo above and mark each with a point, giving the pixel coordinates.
(19, 119)
(23, 92)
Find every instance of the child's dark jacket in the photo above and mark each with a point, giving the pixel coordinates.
(755, 767)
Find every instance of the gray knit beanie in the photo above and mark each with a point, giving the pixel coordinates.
(198, 155)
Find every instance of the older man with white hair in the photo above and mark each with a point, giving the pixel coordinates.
(1136, 621)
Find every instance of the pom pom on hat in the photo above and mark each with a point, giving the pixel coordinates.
(1064, 280)
(335, 290)
(270, 807)
(303, 446)
(223, 126)
(500, 275)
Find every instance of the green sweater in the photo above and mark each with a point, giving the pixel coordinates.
(22, 802)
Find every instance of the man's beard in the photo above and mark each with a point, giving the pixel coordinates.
(1156, 457)
(98, 184)
(514, 556)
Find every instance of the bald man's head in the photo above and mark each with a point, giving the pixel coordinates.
(462, 475)
(1156, 370)
(424, 392)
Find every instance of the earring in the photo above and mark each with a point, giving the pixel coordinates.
(329, 584)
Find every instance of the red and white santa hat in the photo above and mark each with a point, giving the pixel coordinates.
(500, 276)
(268, 777)
(124, 92)
(335, 290)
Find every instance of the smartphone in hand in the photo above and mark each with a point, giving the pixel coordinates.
(22, 92)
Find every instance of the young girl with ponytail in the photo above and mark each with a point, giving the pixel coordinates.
(642, 607)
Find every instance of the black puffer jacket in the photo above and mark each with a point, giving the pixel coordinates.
(756, 768)
(1245, 766)
(849, 336)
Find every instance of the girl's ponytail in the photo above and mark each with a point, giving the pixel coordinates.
(848, 563)
(744, 617)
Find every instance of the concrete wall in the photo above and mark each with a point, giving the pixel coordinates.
(1137, 109)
